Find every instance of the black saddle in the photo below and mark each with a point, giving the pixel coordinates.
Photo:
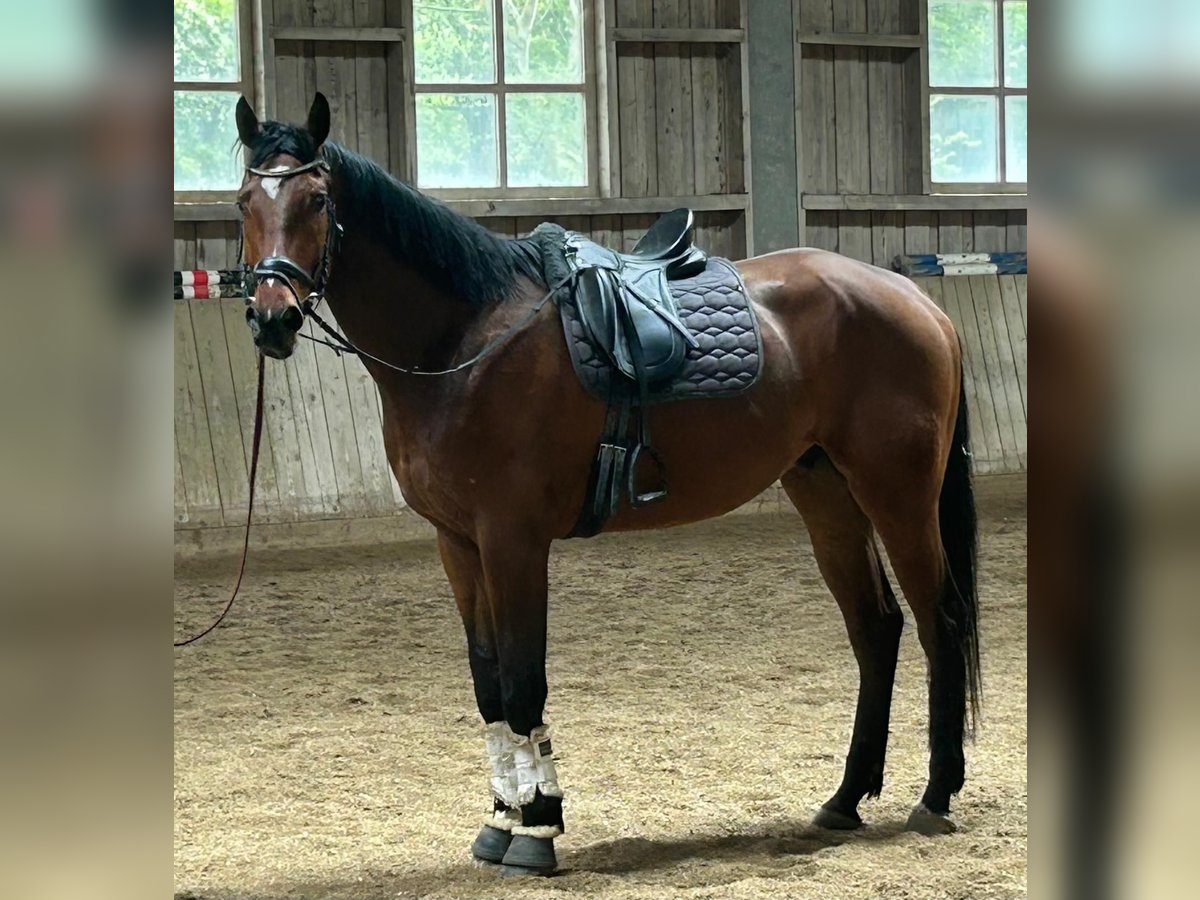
(625, 301)
(626, 307)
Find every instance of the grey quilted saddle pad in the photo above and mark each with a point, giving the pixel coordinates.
(714, 307)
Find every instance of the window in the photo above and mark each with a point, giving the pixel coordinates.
(213, 68)
(978, 94)
(503, 106)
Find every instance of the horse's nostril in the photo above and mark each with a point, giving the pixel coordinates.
(293, 318)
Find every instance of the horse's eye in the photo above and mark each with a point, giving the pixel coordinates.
(319, 201)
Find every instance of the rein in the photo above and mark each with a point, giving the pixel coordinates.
(257, 443)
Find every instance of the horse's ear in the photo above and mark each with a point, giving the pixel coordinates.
(247, 122)
(318, 119)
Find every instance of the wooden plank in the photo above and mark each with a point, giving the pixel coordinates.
(1016, 336)
(678, 35)
(952, 232)
(343, 438)
(193, 442)
(1022, 283)
(844, 39)
(854, 235)
(279, 421)
(1017, 230)
(605, 230)
(852, 120)
(370, 80)
(637, 120)
(886, 122)
(920, 232)
(991, 231)
(673, 104)
(934, 202)
(887, 237)
(243, 365)
(743, 117)
(220, 398)
(977, 285)
(986, 447)
(1005, 352)
(339, 33)
(181, 504)
(308, 405)
(911, 118)
(821, 231)
(479, 209)
(708, 100)
(368, 432)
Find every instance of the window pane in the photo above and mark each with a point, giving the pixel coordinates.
(963, 143)
(453, 43)
(206, 40)
(543, 41)
(456, 140)
(1016, 138)
(1016, 44)
(962, 43)
(547, 144)
(205, 157)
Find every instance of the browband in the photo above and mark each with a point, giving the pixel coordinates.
(318, 163)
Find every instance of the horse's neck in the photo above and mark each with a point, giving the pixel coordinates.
(394, 312)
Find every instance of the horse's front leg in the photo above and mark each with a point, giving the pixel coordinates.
(515, 583)
(460, 558)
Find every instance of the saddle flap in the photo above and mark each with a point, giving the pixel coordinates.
(616, 317)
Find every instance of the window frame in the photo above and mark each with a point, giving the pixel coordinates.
(500, 89)
(1001, 92)
(247, 12)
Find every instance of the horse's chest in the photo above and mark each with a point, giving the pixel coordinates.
(432, 486)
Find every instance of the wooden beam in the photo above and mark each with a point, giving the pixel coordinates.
(678, 35)
(338, 33)
(842, 39)
(481, 209)
(865, 202)
(592, 206)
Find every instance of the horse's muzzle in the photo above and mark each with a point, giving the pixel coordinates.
(274, 330)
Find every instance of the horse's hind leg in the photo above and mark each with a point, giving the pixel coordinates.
(844, 545)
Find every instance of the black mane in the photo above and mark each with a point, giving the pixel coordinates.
(453, 250)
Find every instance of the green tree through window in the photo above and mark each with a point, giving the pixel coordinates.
(978, 104)
(501, 94)
(208, 80)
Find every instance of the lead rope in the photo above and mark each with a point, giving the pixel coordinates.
(257, 442)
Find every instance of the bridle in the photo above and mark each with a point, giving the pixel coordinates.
(286, 269)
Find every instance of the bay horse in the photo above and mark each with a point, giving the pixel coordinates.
(859, 411)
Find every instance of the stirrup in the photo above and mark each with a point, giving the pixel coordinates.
(652, 496)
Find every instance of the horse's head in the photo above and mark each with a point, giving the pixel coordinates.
(289, 229)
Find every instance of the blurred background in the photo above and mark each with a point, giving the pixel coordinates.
(85, 458)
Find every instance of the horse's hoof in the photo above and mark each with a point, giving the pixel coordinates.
(491, 844)
(534, 855)
(836, 820)
(923, 820)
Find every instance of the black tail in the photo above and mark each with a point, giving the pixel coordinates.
(956, 514)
